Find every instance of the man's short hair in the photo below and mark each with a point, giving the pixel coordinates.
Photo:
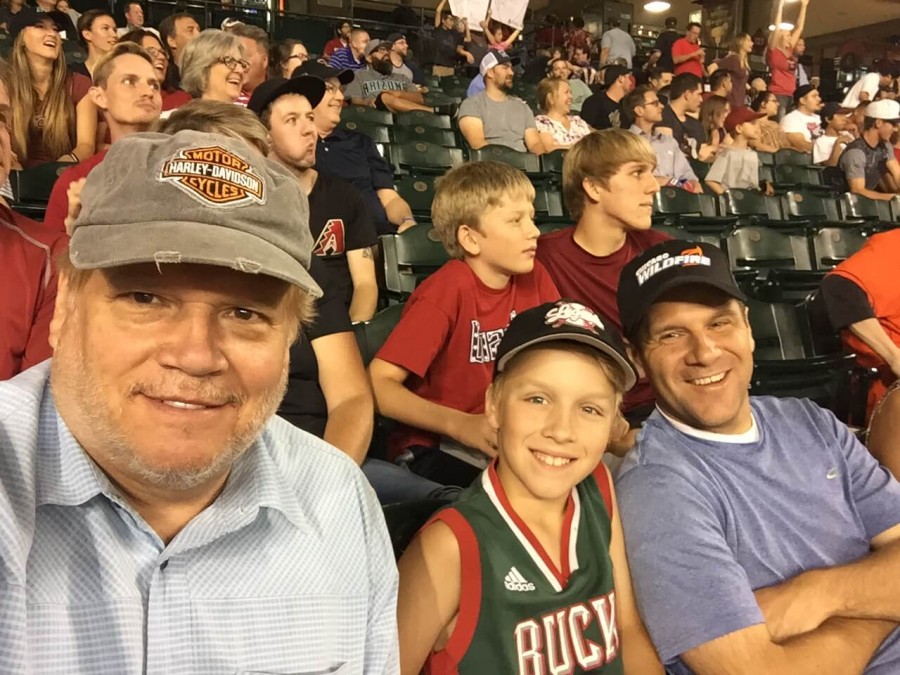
(599, 155)
(105, 65)
(615, 23)
(167, 26)
(657, 73)
(462, 195)
(671, 22)
(718, 77)
(682, 84)
(445, 13)
(578, 22)
(86, 21)
(218, 118)
(691, 26)
(869, 123)
(255, 33)
(632, 101)
(127, 6)
(358, 31)
(201, 54)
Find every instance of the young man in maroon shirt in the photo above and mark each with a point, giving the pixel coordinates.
(608, 185)
(128, 91)
(432, 373)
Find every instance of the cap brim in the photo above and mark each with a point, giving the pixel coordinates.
(186, 242)
(685, 278)
(624, 364)
(323, 72)
(313, 88)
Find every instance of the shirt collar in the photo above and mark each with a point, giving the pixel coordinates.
(635, 129)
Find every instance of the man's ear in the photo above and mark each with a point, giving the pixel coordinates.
(491, 407)
(98, 97)
(636, 359)
(468, 238)
(61, 310)
(593, 190)
(749, 329)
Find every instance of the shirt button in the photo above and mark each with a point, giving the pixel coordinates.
(163, 565)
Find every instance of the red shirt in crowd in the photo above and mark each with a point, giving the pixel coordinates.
(175, 99)
(27, 291)
(593, 281)
(58, 206)
(682, 47)
(448, 335)
(331, 45)
(784, 72)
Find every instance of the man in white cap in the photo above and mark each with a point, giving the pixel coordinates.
(868, 162)
(156, 516)
(493, 117)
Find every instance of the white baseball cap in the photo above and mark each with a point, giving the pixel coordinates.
(885, 109)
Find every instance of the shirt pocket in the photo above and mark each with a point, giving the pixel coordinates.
(343, 669)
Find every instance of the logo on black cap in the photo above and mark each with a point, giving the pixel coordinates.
(689, 257)
(573, 314)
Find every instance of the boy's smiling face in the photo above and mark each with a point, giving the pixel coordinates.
(554, 409)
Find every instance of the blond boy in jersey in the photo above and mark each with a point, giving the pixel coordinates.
(526, 572)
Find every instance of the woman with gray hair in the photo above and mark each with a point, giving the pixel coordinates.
(213, 66)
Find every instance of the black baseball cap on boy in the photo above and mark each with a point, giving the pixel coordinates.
(564, 320)
(668, 265)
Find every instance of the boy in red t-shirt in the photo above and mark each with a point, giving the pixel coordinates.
(432, 372)
(608, 186)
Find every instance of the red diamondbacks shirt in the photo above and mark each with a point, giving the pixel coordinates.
(448, 335)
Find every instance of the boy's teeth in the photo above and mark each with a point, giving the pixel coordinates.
(551, 461)
(710, 380)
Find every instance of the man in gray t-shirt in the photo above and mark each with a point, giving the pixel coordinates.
(616, 44)
(492, 117)
(868, 162)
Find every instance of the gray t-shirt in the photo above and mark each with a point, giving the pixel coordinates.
(403, 71)
(505, 122)
(861, 160)
(620, 45)
(580, 93)
(736, 168)
(369, 83)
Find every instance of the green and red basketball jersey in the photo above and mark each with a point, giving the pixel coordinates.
(518, 613)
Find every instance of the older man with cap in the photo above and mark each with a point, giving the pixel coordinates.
(379, 87)
(353, 156)
(762, 536)
(869, 163)
(158, 518)
(493, 117)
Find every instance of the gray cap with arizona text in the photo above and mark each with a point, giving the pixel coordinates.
(194, 198)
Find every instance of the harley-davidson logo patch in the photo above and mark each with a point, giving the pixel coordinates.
(214, 176)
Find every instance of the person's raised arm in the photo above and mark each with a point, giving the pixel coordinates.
(511, 40)
(801, 23)
(365, 286)
(779, 13)
(428, 601)
(439, 10)
(348, 394)
(485, 24)
(638, 653)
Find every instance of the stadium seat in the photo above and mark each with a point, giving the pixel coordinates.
(526, 161)
(872, 210)
(419, 157)
(699, 168)
(453, 81)
(377, 132)
(766, 158)
(693, 212)
(552, 164)
(436, 98)
(818, 209)
(548, 207)
(418, 192)
(419, 118)
(443, 137)
(791, 176)
(405, 520)
(74, 52)
(759, 247)
(432, 82)
(366, 115)
(409, 257)
(673, 231)
(752, 207)
(31, 188)
(371, 334)
(833, 245)
(789, 157)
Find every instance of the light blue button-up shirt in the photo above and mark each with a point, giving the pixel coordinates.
(290, 570)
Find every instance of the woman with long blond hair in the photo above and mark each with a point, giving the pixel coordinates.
(52, 119)
(737, 62)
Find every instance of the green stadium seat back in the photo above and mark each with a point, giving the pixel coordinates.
(552, 163)
(377, 132)
(372, 334)
(443, 137)
(791, 174)
(366, 115)
(526, 161)
(421, 157)
(858, 206)
(789, 157)
(776, 331)
(420, 118)
(821, 337)
(692, 211)
(418, 192)
(833, 245)
(752, 206)
(700, 168)
(453, 81)
(409, 257)
(757, 247)
(74, 52)
(818, 208)
(766, 158)
(434, 98)
(548, 206)
(405, 520)
(673, 231)
(432, 82)
(34, 185)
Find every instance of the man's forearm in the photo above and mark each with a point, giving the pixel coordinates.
(397, 402)
(397, 210)
(364, 302)
(873, 334)
(838, 647)
(866, 589)
(349, 427)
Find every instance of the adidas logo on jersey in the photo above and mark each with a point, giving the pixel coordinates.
(514, 581)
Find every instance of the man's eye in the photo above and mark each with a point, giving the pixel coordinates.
(245, 314)
(143, 298)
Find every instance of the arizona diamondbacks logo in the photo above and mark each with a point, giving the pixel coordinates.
(331, 239)
(214, 176)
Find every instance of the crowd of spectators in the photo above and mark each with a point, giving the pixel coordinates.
(186, 397)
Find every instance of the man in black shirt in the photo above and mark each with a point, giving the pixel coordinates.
(602, 110)
(449, 43)
(338, 220)
(664, 44)
(686, 96)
